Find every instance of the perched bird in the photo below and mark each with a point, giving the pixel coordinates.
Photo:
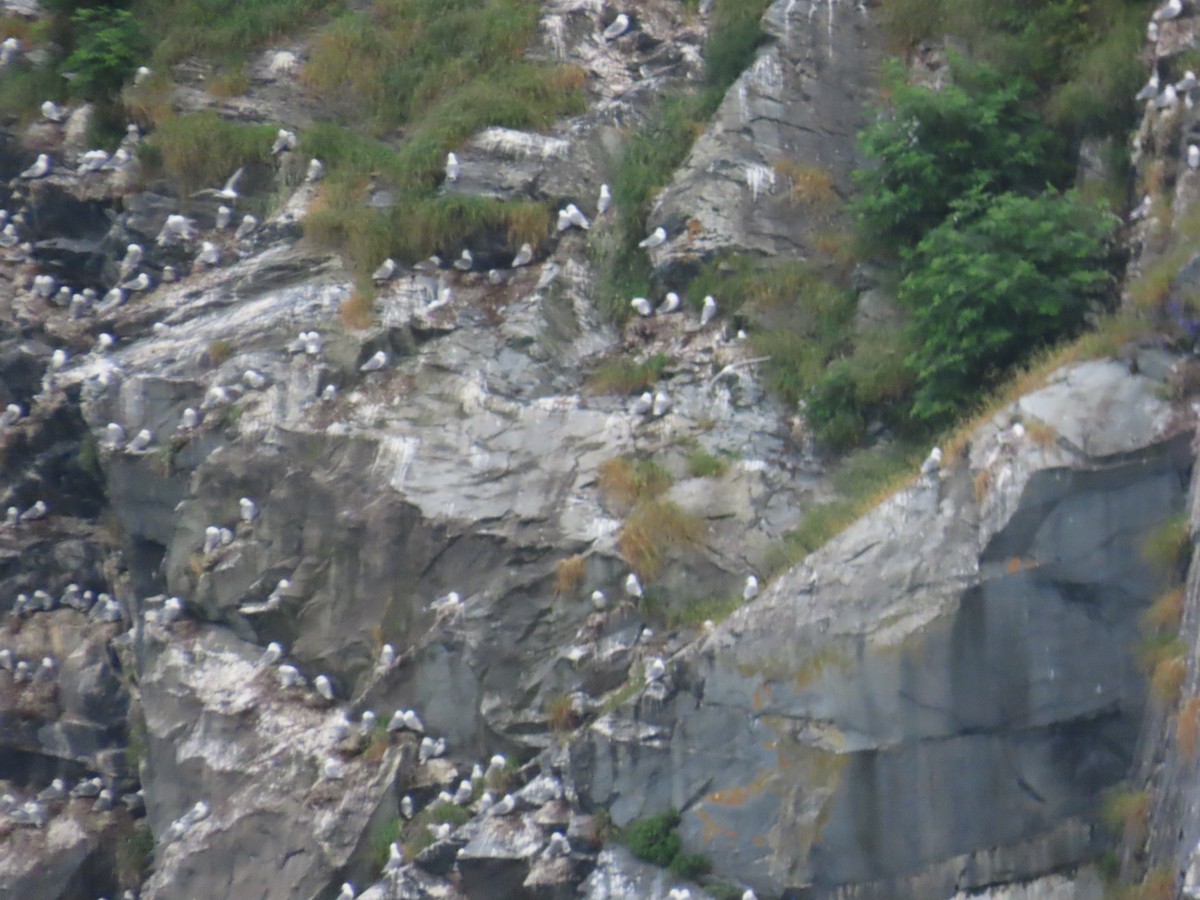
(284, 141)
(40, 168)
(462, 796)
(375, 363)
(642, 306)
(12, 413)
(605, 201)
(212, 539)
(1167, 99)
(558, 846)
(524, 256)
(385, 272)
(248, 510)
(104, 341)
(189, 420)
(172, 611)
(1150, 89)
(368, 722)
(324, 686)
(141, 441)
(933, 463)
(271, 655)
(618, 27)
(168, 275)
(52, 111)
(290, 677)
(142, 73)
(670, 303)
(655, 669)
(57, 790)
(465, 261)
(347, 892)
(333, 769)
(395, 858)
(633, 587)
(209, 256)
(9, 48)
(316, 171)
(749, 895)
(91, 161)
(387, 656)
(329, 392)
(406, 807)
(577, 218)
(599, 601)
(1142, 209)
(1186, 83)
(504, 806)
(35, 512)
(452, 167)
(709, 311)
(643, 404)
(1168, 11)
(662, 404)
(750, 591)
(244, 230)
(88, 788)
(131, 261)
(656, 238)
(176, 228)
(58, 359)
(254, 380)
(430, 749)
(141, 283)
(117, 161)
(440, 831)
(1193, 156)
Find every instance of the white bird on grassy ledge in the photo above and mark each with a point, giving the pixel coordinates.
(605, 201)
(670, 304)
(228, 190)
(933, 463)
(655, 669)
(375, 363)
(40, 168)
(656, 238)
(524, 256)
(53, 112)
(642, 306)
(616, 28)
(709, 311)
(284, 140)
(452, 167)
(316, 171)
(633, 587)
(1168, 11)
(385, 272)
(224, 217)
(750, 591)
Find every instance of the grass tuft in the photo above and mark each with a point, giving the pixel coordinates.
(625, 482)
(654, 529)
(569, 574)
(702, 464)
(620, 375)
(358, 310)
(202, 150)
(1187, 729)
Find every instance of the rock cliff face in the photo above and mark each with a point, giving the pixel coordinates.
(283, 543)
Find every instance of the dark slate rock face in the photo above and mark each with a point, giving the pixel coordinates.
(901, 718)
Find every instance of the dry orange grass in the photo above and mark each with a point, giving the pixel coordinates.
(624, 482)
(811, 186)
(1166, 612)
(653, 530)
(1187, 729)
(149, 104)
(560, 713)
(1128, 811)
(527, 223)
(1167, 679)
(1157, 885)
(569, 575)
(358, 310)
(983, 484)
(219, 351)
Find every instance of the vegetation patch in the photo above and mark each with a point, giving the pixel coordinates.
(1187, 729)
(135, 854)
(626, 482)
(559, 710)
(1167, 548)
(417, 835)
(569, 574)
(653, 530)
(654, 839)
(624, 376)
(202, 149)
(1125, 812)
(702, 464)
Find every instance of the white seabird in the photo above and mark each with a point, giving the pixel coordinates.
(58, 359)
(1168, 11)
(189, 420)
(316, 171)
(655, 669)
(709, 311)
(254, 380)
(324, 686)
(333, 769)
(1142, 209)
(40, 168)
(662, 404)
(605, 200)
(12, 413)
(1186, 83)
(290, 677)
(656, 238)
(176, 227)
(407, 809)
(385, 272)
(643, 404)
(141, 441)
(577, 218)
(369, 721)
(130, 262)
(375, 363)
(387, 656)
(347, 892)
(141, 283)
(558, 846)
(633, 587)
(1193, 156)
(524, 256)
(142, 73)
(933, 463)
(284, 140)
(452, 167)
(209, 255)
(462, 796)
(1168, 98)
(52, 111)
(642, 306)
(271, 655)
(248, 509)
(1150, 89)
(35, 512)
(616, 28)
(599, 601)
(244, 230)
(228, 190)
(465, 261)
(670, 303)
(750, 590)
(212, 539)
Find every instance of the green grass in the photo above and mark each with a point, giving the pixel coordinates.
(626, 482)
(702, 464)
(417, 836)
(619, 375)
(224, 30)
(862, 481)
(135, 853)
(202, 150)
(694, 613)
(381, 841)
(1167, 548)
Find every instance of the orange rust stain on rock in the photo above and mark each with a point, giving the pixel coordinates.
(709, 829)
(737, 796)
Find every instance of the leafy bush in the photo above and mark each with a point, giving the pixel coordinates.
(653, 839)
(691, 865)
(834, 408)
(1000, 278)
(978, 134)
(109, 45)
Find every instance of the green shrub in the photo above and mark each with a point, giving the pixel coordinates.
(834, 408)
(653, 838)
(135, 853)
(691, 865)
(224, 30)
(702, 464)
(975, 135)
(202, 150)
(1001, 278)
(109, 45)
